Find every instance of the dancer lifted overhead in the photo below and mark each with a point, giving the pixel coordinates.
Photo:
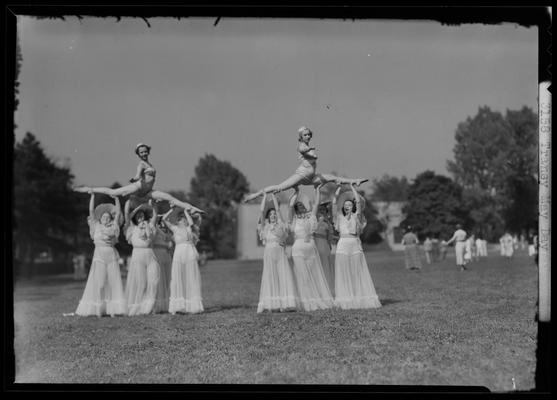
(306, 174)
(141, 186)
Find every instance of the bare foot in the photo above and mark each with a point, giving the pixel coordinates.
(81, 189)
(360, 181)
(250, 197)
(193, 210)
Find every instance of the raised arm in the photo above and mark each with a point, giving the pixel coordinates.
(356, 199)
(165, 219)
(291, 203)
(317, 199)
(262, 217)
(127, 213)
(92, 206)
(188, 217)
(277, 209)
(334, 205)
(153, 221)
(118, 210)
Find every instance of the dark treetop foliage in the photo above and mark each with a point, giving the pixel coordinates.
(434, 205)
(217, 188)
(390, 188)
(496, 163)
(46, 211)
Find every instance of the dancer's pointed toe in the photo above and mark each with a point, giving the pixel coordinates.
(250, 197)
(360, 181)
(81, 189)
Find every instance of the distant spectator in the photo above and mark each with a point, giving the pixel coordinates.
(478, 248)
(443, 249)
(507, 245)
(428, 249)
(459, 237)
(411, 254)
(79, 269)
(523, 242)
(435, 248)
(515, 242)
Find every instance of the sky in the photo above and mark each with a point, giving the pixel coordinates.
(382, 97)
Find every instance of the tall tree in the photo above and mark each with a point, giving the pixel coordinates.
(522, 163)
(496, 163)
(435, 205)
(218, 187)
(45, 208)
(372, 232)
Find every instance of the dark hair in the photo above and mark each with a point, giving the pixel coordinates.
(134, 218)
(297, 206)
(354, 209)
(269, 211)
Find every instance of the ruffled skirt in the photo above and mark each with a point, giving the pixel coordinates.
(278, 288)
(353, 284)
(312, 285)
(185, 281)
(143, 281)
(104, 292)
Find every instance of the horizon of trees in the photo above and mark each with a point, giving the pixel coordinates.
(493, 188)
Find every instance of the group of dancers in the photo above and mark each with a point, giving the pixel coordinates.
(161, 281)
(158, 279)
(310, 283)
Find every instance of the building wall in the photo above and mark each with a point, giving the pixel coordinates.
(249, 246)
(391, 214)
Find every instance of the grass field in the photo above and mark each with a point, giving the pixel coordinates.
(439, 326)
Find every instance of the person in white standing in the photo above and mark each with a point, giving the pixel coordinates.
(459, 237)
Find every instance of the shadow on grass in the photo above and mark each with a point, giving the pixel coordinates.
(386, 302)
(229, 307)
(49, 281)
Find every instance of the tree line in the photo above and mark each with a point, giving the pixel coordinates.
(493, 188)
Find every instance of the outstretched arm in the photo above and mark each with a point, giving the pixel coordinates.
(451, 239)
(139, 173)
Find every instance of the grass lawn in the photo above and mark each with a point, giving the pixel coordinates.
(439, 326)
